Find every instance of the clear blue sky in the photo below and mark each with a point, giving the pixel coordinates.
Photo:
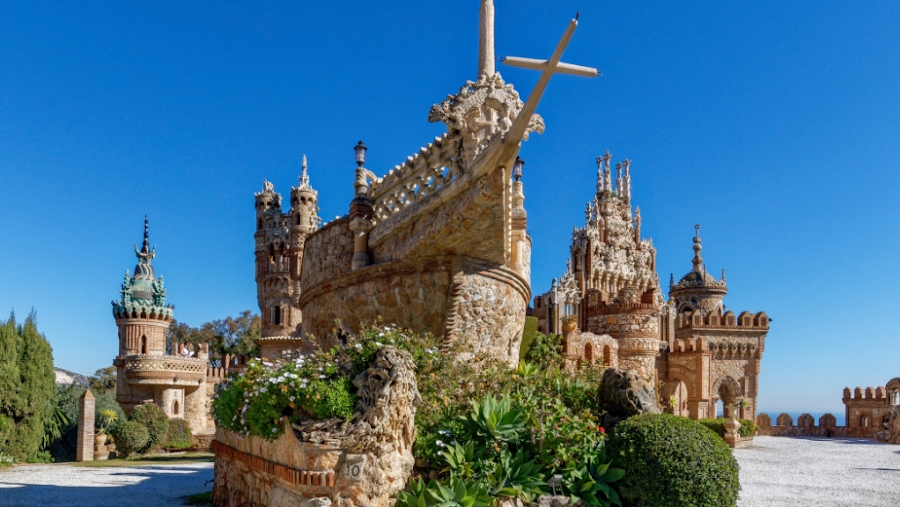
(774, 124)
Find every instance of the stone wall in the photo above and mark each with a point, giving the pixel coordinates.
(459, 298)
(328, 253)
(413, 295)
(488, 313)
(806, 426)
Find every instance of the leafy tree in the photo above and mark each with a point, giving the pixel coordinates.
(103, 380)
(233, 335)
(181, 332)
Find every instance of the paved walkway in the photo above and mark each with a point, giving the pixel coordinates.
(69, 485)
(812, 472)
(776, 472)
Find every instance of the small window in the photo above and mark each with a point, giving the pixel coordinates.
(175, 407)
(143, 344)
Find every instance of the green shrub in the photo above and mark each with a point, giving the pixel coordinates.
(529, 332)
(131, 437)
(155, 420)
(179, 435)
(718, 425)
(671, 461)
(545, 351)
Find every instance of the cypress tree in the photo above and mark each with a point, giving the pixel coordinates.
(35, 394)
(9, 379)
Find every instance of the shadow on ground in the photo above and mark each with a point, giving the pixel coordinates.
(76, 486)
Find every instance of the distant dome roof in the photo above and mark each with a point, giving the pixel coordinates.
(697, 279)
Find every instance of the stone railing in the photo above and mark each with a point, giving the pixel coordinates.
(146, 367)
(422, 175)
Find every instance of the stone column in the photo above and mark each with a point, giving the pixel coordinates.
(85, 450)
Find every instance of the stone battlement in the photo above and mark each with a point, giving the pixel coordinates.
(878, 394)
(714, 320)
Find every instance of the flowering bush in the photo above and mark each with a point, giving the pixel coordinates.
(316, 386)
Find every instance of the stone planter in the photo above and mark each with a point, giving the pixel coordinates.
(100, 440)
(569, 327)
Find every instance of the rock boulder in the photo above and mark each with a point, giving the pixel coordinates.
(623, 394)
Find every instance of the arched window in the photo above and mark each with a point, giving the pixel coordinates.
(864, 421)
(175, 407)
(589, 352)
(886, 422)
(607, 356)
(144, 344)
(259, 224)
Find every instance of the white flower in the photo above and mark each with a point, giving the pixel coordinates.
(440, 444)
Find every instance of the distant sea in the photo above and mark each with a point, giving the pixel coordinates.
(838, 415)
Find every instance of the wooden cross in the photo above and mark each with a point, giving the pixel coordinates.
(547, 68)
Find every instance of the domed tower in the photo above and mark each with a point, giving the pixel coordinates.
(142, 315)
(698, 290)
(280, 239)
(145, 372)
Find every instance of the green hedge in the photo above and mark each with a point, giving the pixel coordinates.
(179, 435)
(718, 425)
(673, 461)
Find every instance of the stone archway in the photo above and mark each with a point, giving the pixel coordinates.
(729, 392)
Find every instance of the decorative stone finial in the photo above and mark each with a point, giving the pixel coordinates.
(143, 270)
(698, 262)
(146, 247)
(304, 177)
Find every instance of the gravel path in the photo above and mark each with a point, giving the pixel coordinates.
(807, 472)
(68, 485)
(775, 472)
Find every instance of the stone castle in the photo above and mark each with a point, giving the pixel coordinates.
(695, 350)
(148, 370)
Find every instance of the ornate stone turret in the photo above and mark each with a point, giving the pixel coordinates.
(142, 314)
(280, 241)
(146, 371)
(698, 290)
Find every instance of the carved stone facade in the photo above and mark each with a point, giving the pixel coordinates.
(697, 352)
(147, 369)
(436, 245)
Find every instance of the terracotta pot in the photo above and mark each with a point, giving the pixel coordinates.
(100, 439)
(569, 327)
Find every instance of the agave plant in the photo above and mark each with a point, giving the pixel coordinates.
(493, 419)
(455, 494)
(515, 476)
(592, 483)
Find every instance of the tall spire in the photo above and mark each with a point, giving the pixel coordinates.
(304, 177)
(146, 247)
(143, 270)
(698, 262)
(486, 38)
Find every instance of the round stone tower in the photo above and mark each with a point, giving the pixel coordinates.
(145, 372)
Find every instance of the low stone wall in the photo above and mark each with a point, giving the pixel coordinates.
(806, 426)
(362, 462)
(250, 471)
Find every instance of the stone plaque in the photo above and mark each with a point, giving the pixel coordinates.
(354, 466)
